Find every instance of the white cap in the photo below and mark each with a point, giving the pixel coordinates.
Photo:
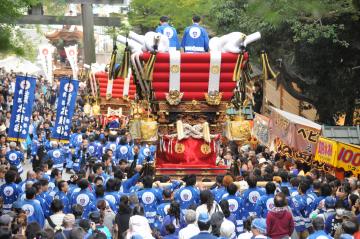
(262, 160)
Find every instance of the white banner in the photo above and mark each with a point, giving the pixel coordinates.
(46, 59)
(71, 53)
(214, 71)
(175, 60)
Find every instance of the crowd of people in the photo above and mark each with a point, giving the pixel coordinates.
(111, 191)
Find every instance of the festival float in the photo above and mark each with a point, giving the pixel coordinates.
(184, 103)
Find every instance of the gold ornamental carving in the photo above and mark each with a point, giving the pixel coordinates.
(175, 68)
(179, 148)
(215, 69)
(213, 98)
(96, 109)
(205, 149)
(174, 97)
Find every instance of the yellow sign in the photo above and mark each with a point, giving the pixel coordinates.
(326, 151)
(338, 155)
(348, 157)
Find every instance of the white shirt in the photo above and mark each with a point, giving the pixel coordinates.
(189, 231)
(203, 209)
(245, 235)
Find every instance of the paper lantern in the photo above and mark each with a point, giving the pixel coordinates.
(238, 129)
(149, 129)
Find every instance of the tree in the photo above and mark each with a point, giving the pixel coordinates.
(144, 14)
(11, 39)
(317, 40)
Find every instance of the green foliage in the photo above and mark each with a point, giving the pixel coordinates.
(144, 14)
(11, 39)
(320, 39)
(11, 9)
(55, 7)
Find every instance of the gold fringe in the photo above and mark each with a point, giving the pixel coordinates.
(149, 67)
(16, 139)
(125, 64)
(237, 69)
(267, 71)
(64, 141)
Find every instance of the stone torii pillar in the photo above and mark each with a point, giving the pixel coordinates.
(87, 19)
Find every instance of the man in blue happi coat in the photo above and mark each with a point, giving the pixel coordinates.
(9, 191)
(168, 31)
(32, 208)
(195, 37)
(15, 157)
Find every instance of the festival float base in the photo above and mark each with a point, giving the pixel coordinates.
(192, 149)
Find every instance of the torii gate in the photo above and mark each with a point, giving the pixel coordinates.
(87, 20)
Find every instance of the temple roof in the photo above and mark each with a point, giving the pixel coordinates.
(65, 35)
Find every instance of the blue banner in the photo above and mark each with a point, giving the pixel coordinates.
(23, 101)
(65, 109)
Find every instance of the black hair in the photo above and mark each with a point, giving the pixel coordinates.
(97, 166)
(190, 180)
(280, 200)
(97, 234)
(77, 210)
(339, 204)
(326, 190)
(61, 184)
(204, 226)
(50, 163)
(138, 210)
(170, 228)
(174, 210)
(317, 185)
(284, 176)
(57, 205)
(207, 198)
(224, 204)
(83, 184)
(167, 193)
(285, 190)
(43, 181)
(232, 189)
(54, 172)
(32, 229)
(303, 187)
(251, 181)
(196, 19)
(10, 176)
(219, 179)
(164, 19)
(99, 191)
(124, 207)
(270, 188)
(294, 182)
(353, 198)
(147, 181)
(349, 227)
(110, 185)
(30, 193)
(98, 178)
